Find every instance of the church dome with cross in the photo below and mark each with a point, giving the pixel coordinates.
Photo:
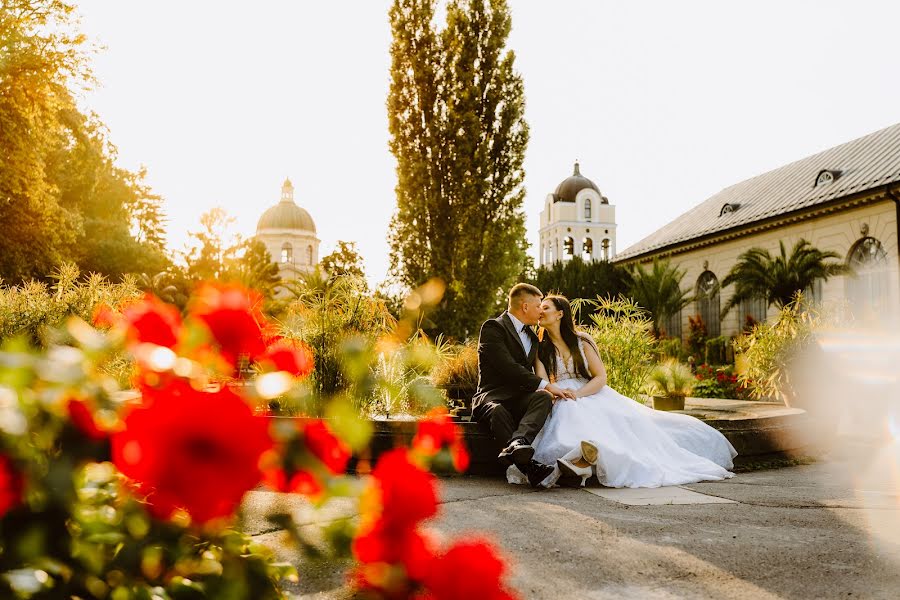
(577, 220)
(289, 234)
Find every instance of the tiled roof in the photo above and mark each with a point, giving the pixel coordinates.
(865, 163)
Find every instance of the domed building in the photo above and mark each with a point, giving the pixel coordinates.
(577, 220)
(289, 234)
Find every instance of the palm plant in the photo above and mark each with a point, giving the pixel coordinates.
(757, 274)
(659, 291)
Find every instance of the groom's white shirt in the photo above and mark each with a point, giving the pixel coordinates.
(526, 341)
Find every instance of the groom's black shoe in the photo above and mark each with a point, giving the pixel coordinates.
(518, 452)
(537, 473)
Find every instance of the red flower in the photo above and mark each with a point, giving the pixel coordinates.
(234, 317)
(380, 553)
(194, 450)
(300, 482)
(436, 431)
(11, 485)
(82, 416)
(293, 357)
(150, 320)
(408, 494)
(469, 569)
(326, 446)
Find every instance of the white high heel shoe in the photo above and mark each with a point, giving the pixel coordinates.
(579, 462)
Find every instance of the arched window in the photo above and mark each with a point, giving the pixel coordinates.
(287, 253)
(587, 209)
(568, 248)
(708, 302)
(587, 249)
(604, 250)
(548, 255)
(867, 290)
(309, 255)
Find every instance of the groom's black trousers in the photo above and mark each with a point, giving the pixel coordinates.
(520, 417)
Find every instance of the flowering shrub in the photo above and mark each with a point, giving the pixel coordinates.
(721, 382)
(103, 495)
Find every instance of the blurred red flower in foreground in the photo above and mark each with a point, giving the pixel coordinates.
(326, 446)
(298, 481)
(194, 450)
(437, 431)
(150, 320)
(234, 317)
(285, 355)
(10, 485)
(469, 569)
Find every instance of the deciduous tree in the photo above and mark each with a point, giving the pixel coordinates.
(458, 132)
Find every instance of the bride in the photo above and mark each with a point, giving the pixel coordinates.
(594, 429)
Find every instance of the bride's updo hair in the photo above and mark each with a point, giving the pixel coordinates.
(570, 334)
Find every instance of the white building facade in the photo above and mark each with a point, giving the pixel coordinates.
(577, 220)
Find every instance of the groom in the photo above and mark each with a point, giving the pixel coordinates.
(511, 399)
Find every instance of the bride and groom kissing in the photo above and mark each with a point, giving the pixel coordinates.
(545, 398)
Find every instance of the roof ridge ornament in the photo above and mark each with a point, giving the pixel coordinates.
(577, 170)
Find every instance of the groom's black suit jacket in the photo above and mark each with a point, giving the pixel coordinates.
(504, 371)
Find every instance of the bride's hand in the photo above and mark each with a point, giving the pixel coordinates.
(569, 395)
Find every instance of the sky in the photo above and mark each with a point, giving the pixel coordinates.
(663, 103)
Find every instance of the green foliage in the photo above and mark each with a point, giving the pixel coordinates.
(61, 196)
(623, 333)
(770, 347)
(334, 317)
(671, 378)
(659, 291)
(31, 308)
(671, 348)
(757, 274)
(402, 385)
(576, 278)
(457, 127)
(222, 255)
(344, 261)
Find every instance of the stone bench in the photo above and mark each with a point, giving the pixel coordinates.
(755, 429)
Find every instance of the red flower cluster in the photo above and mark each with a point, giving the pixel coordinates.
(233, 315)
(399, 560)
(296, 473)
(192, 450)
(438, 431)
(11, 485)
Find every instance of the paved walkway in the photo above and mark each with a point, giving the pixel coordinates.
(830, 529)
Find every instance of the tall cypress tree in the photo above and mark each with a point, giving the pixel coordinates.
(456, 115)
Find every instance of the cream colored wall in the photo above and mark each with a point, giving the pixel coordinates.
(838, 233)
(300, 241)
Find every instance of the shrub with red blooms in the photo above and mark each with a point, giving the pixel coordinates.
(437, 431)
(10, 485)
(190, 449)
(233, 315)
(186, 449)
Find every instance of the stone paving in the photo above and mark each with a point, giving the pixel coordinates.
(830, 529)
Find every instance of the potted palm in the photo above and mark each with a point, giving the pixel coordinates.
(670, 382)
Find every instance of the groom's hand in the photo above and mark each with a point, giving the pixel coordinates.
(559, 392)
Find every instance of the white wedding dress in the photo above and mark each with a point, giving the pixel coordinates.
(639, 446)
